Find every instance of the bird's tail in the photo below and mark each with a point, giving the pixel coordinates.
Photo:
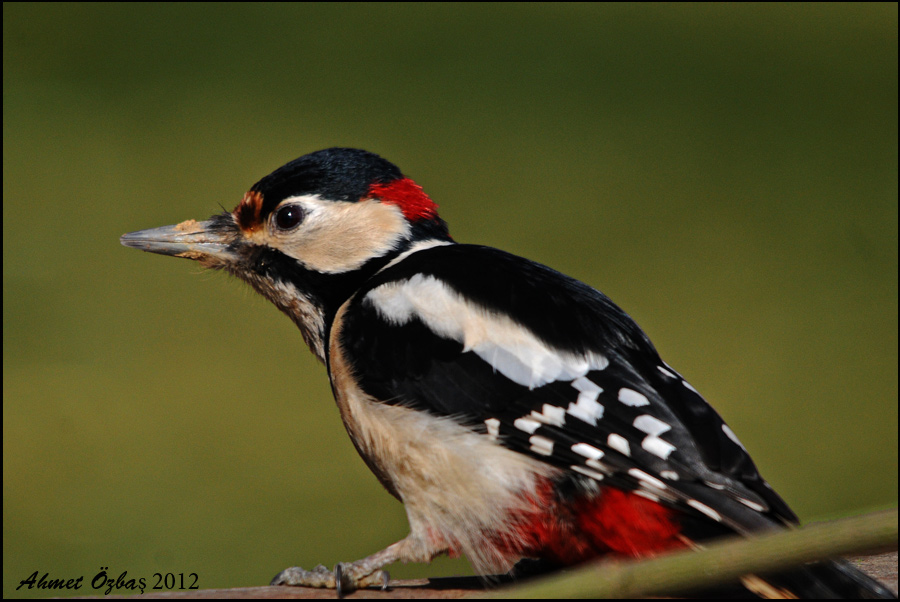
(826, 579)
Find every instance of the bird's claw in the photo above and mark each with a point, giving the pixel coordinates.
(352, 576)
(338, 580)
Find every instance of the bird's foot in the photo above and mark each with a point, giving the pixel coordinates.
(345, 578)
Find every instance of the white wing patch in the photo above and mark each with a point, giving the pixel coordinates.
(658, 447)
(493, 428)
(510, 348)
(654, 427)
(541, 445)
(730, 434)
(550, 415)
(588, 451)
(527, 425)
(586, 408)
(632, 398)
(667, 372)
(619, 443)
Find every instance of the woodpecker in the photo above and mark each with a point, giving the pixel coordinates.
(516, 412)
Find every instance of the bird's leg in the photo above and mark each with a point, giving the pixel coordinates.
(349, 576)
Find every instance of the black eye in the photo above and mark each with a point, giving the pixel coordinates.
(288, 217)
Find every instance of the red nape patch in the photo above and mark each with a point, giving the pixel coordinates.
(613, 522)
(249, 211)
(407, 195)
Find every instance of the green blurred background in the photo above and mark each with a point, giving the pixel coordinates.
(726, 173)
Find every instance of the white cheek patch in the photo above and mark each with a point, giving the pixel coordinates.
(511, 349)
(337, 236)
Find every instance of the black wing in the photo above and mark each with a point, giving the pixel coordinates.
(549, 367)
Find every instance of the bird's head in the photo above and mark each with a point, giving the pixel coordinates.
(308, 234)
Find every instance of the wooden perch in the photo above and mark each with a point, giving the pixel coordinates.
(720, 562)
